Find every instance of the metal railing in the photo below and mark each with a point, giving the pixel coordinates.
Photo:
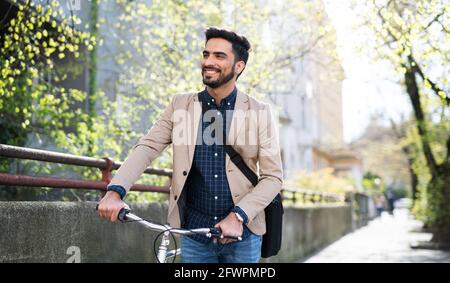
(304, 196)
(107, 165)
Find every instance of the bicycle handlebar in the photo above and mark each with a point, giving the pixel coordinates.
(126, 215)
(123, 214)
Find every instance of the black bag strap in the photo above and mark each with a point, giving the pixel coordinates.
(237, 160)
(234, 155)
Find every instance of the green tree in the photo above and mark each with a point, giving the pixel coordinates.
(35, 43)
(413, 36)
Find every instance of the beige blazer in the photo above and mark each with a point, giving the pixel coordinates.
(252, 133)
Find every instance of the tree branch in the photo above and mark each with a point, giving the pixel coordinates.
(435, 19)
(436, 89)
(287, 60)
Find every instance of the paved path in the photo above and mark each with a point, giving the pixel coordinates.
(385, 239)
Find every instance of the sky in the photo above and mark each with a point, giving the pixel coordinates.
(365, 92)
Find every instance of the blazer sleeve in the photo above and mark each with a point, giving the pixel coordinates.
(149, 147)
(270, 167)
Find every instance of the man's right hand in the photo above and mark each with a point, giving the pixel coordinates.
(110, 206)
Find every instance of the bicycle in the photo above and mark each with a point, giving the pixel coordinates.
(125, 216)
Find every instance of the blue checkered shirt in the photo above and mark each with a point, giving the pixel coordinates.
(209, 198)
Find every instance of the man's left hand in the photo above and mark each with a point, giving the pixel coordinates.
(230, 226)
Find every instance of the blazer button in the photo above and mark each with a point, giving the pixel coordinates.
(184, 173)
(175, 197)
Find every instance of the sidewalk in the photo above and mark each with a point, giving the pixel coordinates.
(385, 239)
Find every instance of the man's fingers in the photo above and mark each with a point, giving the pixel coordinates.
(100, 211)
(226, 241)
(223, 240)
(110, 213)
(116, 214)
(105, 213)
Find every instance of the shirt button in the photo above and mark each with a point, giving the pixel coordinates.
(215, 176)
(216, 197)
(215, 154)
(218, 113)
(215, 217)
(184, 173)
(229, 103)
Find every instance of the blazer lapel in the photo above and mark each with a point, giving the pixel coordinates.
(194, 114)
(239, 114)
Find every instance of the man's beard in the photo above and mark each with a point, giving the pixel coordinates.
(221, 80)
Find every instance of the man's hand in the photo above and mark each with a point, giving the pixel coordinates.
(230, 226)
(110, 206)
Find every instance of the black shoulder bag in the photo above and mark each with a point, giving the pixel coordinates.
(271, 243)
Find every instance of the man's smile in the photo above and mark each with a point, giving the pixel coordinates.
(210, 71)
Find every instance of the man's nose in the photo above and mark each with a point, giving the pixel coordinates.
(209, 62)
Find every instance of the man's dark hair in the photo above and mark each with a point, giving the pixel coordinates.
(240, 44)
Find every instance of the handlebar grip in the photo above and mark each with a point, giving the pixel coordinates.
(216, 232)
(123, 214)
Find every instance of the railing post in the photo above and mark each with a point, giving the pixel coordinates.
(107, 173)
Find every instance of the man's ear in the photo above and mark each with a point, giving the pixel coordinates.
(239, 67)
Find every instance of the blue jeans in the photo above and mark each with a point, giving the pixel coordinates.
(246, 251)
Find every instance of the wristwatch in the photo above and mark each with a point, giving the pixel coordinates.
(239, 217)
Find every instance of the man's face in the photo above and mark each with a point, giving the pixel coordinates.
(218, 63)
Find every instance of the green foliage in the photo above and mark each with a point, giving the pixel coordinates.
(33, 102)
(429, 193)
(31, 51)
(373, 184)
(322, 181)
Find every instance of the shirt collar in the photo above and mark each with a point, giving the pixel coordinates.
(231, 98)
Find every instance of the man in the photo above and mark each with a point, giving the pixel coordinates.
(208, 189)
